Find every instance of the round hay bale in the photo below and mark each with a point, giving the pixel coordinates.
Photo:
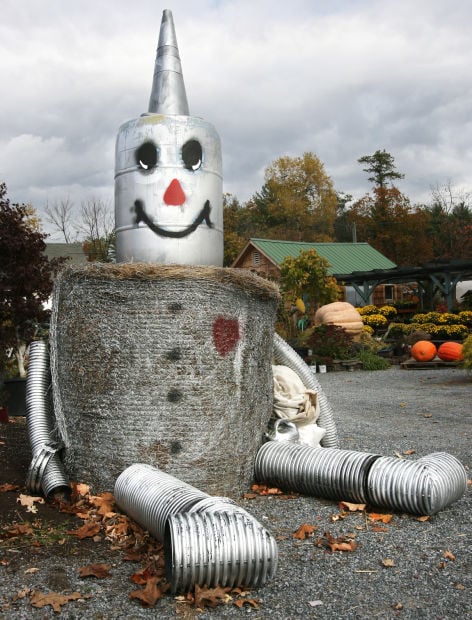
(168, 365)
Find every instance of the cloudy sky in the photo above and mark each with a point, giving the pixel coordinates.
(340, 78)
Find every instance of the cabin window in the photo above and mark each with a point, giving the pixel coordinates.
(256, 259)
(389, 290)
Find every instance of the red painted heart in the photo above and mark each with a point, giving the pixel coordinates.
(226, 333)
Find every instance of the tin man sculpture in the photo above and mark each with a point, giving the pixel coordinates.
(168, 179)
(166, 347)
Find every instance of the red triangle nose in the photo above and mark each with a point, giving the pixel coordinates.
(174, 194)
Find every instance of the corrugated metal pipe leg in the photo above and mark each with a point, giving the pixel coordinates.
(207, 540)
(46, 473)
(284, 354)
(423, 487)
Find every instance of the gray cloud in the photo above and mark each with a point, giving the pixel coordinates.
(341, 79)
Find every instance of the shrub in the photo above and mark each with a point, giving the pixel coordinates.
(330, 342)
(377, 321)
(447, 318)
(467, 352)
(372, 361)
(388, 311)
(450, 332)
(366, 310)
(465, 317)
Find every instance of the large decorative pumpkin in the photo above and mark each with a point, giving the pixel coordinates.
(450, 351)
(423, 351)
(343, 314)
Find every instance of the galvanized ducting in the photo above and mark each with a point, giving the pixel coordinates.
(322, 472)
(424, 487)
(285, 354)
(46, 472)
(208, 540)
(221, 548)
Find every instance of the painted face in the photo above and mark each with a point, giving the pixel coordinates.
(168, 191)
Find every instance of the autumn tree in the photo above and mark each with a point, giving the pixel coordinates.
(26, 277)
(450, 222)
(297, 201)
(381, 167)
(387, 221)
(307, 276)
(235, 228)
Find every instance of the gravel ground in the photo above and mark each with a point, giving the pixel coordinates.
(389, 412)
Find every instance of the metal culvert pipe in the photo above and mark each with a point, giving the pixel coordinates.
(46, 472)
(149, 496)
(221, 548)
(284, 354)
(423, 487)
(207, 540)
(322, 472)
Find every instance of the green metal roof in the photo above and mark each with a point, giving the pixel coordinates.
(343, 257)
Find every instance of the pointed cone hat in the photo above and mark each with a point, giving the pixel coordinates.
(168, 94)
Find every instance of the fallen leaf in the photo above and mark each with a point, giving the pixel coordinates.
(343, 546)
(352, 507)
(384, 518)
(88, 530)
(141, 577)
(460, 586)
(409, 451)
(21, 594)
(315, 603)
(397, 454)
(397, 606)
(246, 601)
(449, 556)
(30, 571)
(150, 594)
(100, 571)
(211, 597)
(423, 518)
(29, 500)
(38, 599)
(104, 502)
(403, 404)
(262, 489)
(22, 529)
(304, 531)
(388, 563)
(337, 544)
(428, 415)
(249, 495)
(82, 489)
(8, 487)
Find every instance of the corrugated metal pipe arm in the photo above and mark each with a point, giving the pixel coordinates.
(46, 473)
(422, 487)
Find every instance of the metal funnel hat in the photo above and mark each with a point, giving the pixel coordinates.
(168, 94)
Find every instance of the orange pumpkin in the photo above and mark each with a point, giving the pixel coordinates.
(450, 351)
(423, 351)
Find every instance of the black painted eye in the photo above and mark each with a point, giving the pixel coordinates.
(192, 155)
(147, 156)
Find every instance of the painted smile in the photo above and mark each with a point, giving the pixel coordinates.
(142, 216)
